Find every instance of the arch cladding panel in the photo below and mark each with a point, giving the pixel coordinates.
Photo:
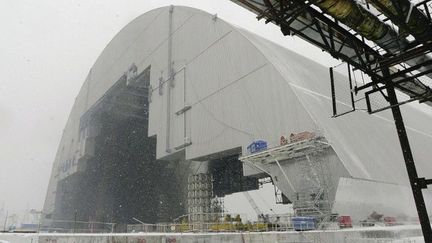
(178, 84)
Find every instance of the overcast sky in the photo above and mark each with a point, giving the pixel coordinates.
(46, 50)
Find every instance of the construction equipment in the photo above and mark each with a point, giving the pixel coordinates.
(345, 221)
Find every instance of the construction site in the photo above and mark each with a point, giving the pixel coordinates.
(183, 109)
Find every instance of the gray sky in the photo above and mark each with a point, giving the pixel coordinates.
(46, 50)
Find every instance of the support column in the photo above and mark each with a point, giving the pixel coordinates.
(409, 162)
(170, 80)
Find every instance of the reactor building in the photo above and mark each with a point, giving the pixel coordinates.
(179, 95)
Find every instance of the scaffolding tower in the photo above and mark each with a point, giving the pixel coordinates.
(202, 205)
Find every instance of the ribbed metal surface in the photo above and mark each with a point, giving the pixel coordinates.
(238, 87)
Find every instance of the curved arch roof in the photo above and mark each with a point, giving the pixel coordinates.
(366, 144)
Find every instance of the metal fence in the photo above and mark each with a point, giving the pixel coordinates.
(207, 227)
(384, 240)
(267, 223)
(225, 227)
(71, 226)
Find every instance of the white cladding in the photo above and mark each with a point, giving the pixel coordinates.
(239, 87)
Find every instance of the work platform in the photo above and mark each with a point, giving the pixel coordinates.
(307, 154)
(287, 151)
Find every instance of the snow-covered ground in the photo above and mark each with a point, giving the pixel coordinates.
(18, 238)
(340, 236)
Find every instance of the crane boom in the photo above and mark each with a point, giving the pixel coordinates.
(253, 204)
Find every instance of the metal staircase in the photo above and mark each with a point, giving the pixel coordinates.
(312, 203)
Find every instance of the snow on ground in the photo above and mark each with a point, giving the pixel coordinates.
(33, 238)
(18, 238)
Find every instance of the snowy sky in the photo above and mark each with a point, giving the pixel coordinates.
(46, 50)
